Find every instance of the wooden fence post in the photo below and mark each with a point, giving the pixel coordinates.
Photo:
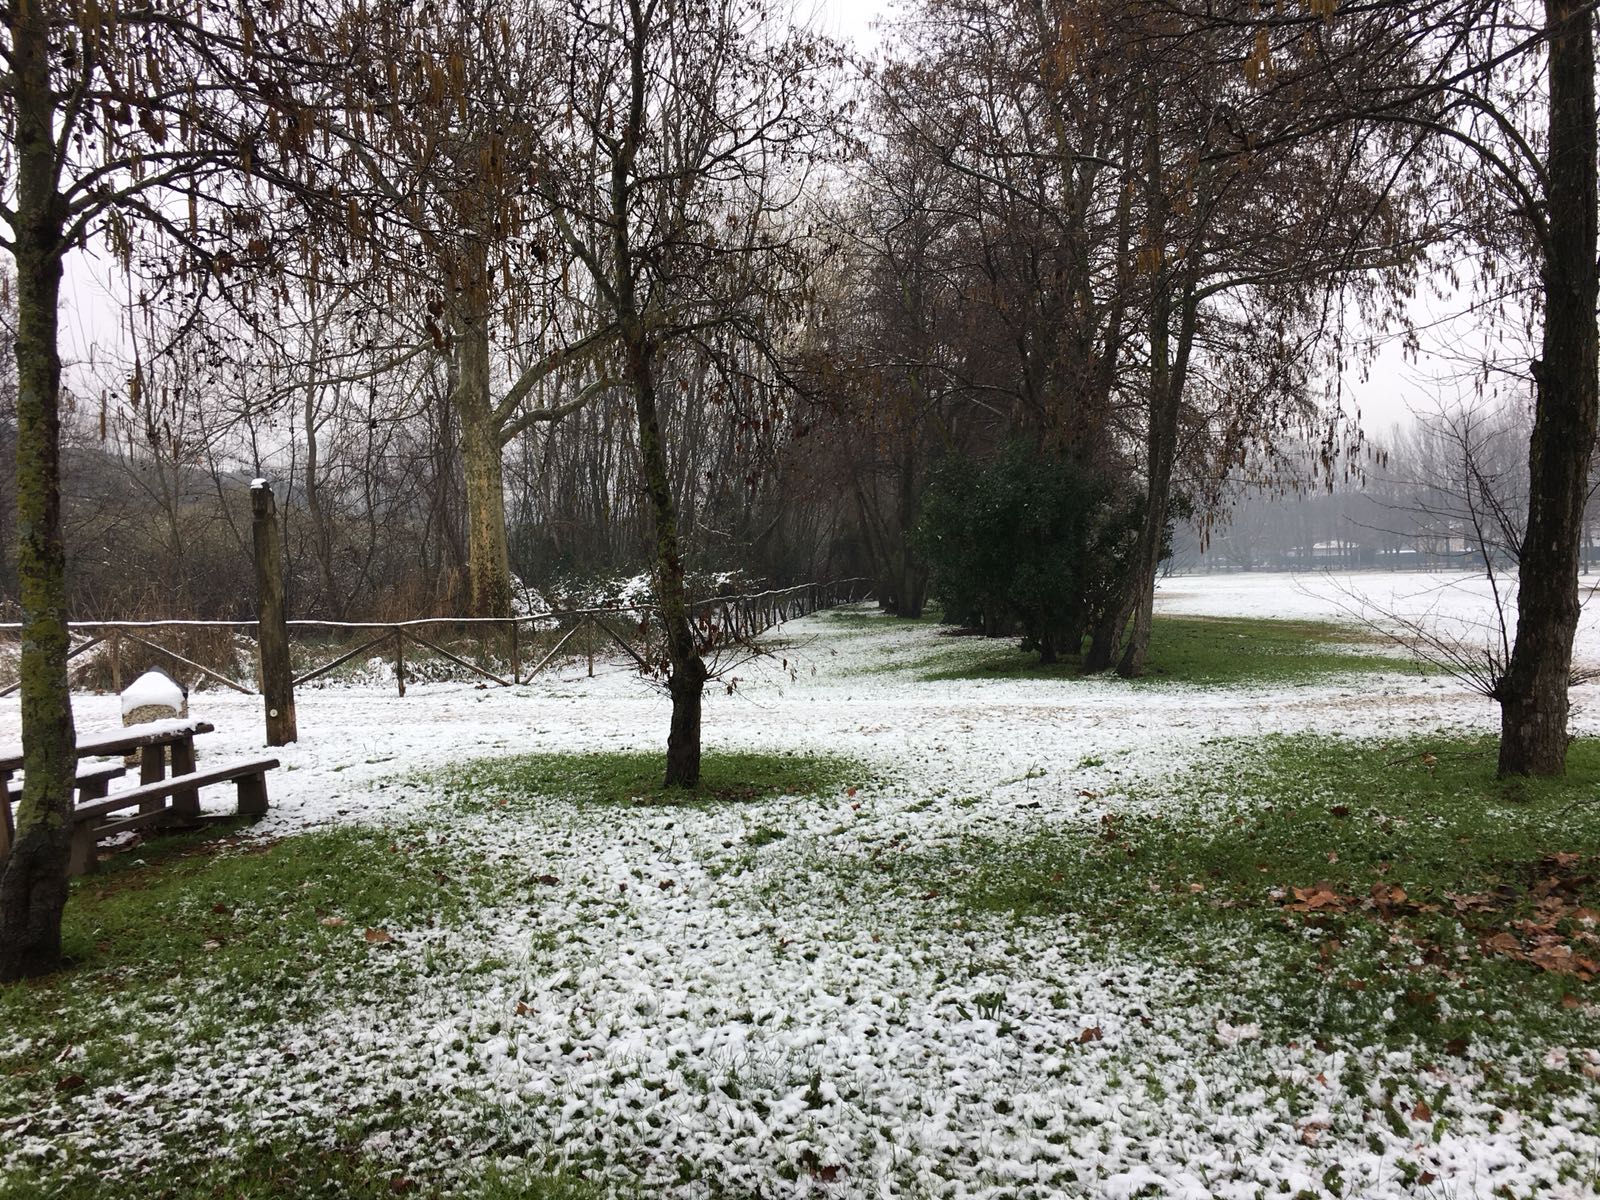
(516, 654)
(400, 659)
(115, 651)
(272, 629)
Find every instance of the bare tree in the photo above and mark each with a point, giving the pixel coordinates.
(677, 197)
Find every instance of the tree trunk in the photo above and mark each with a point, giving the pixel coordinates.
(488, 558)
(1166, 398)
(1106, 636)
(687, 679)
(1147, 555)
(321, 522)
(33, 887)
(1533, 694)
(910, 578)
(272, 631)
(1162, 434)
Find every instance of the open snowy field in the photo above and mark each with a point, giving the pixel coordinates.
(722, 999)
(1464, 606)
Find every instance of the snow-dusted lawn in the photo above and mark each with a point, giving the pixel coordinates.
(690, 1012)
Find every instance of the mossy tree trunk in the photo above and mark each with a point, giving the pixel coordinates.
(1533, 694)
(488, 554)
(33, 887)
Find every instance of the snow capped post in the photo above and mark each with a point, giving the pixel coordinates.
(154, 696)
(272, 631)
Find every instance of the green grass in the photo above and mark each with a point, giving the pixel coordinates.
(273, 1170)
(1208, 651)
(1203, 885)
(189, 940)
(634, 778)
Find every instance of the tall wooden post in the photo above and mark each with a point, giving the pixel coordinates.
(272, 630)
(115, 650)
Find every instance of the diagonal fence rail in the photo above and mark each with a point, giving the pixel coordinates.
(504, 651)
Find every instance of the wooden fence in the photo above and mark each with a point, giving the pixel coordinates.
(529, 643)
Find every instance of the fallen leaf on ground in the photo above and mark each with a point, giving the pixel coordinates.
(1503, 943)
(1319, 897)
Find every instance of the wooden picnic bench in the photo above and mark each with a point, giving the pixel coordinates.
(175, 800)
(93, 781)
(151, 740)
(158, 798)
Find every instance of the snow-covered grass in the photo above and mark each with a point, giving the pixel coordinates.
(876, 988)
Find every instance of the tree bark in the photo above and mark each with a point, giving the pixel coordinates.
(1166, 400)
(1533, 694)
(1169, 368)
(33, 887)
(321, 520)
(687, 678)
(272, 630)
(488, 556)
(1161, 401)
(1106, 636)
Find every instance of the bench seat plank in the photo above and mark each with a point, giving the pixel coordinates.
(161, 789)
(88, 773)
(250, 777)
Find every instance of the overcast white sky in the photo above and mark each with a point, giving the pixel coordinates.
(848, 20)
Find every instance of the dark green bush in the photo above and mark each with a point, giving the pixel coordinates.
(1028, 545)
